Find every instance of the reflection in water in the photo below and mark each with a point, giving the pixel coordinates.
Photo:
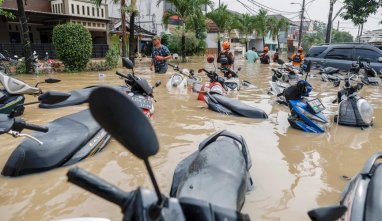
(292, 171)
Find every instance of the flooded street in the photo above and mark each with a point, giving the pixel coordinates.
(292, 171)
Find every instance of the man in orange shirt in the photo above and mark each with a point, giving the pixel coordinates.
(298, 57)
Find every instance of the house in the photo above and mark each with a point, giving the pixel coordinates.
(374, 36)
(43, 15)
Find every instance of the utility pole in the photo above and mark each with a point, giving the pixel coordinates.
(26, 39)
(302, 18)
(123, 27)
(338, 25)
(329, 26)
(360, 33)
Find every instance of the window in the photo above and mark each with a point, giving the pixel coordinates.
(93, 11)
(72, 9)
(54, 9)
(83, 10)
(89, 24)
(98, 25)
(315, 51)
(62, 8)
(102, 13)
(78, 9)
(88, 11)
(84, 23)
(340, 53)
(97, 12)
(367, 54)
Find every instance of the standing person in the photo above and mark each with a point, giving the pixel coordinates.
(225, 57)
(160, 56)
(298, 57)
(276, 58)
(264, 57)
(252, 55)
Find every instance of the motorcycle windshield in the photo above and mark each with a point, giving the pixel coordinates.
(143, 85)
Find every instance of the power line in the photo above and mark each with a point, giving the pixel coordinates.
(262, 6)
(251, 10)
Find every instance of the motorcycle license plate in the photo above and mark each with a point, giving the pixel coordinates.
(316, 105)
(142, 102)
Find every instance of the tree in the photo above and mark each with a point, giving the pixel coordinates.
(186, 10)
(221, 17)
(341, 37)
(261, 24)
(359, 10)
(246, 26)
(25, 33)
(312, 39)
(275, 26)
(5, 13)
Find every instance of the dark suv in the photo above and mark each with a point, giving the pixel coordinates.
(343, 55)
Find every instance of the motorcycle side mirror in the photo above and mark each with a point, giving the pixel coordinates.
(327, 213)
(127, 63)
(210, 59)
(52, 80)
(110, 108)
(158, 83)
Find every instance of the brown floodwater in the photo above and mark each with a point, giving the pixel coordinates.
(293, 171)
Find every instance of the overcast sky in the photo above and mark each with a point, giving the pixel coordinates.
(316, 10)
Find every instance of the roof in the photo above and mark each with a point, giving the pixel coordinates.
(212, 27)
(116, 28)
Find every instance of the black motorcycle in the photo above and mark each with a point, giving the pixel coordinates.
(368, 75)
(361, 198)
(143, 204)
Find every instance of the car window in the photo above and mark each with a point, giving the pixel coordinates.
(315, 51)
(367, 54)
(340, 53)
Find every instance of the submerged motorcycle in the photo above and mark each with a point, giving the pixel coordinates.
(306, 115)
(62, 142)
(140, 91)
(12, 96)
(231, 79)
(208, 169)
(183, 78)
(361, 198)
(214, 95)
(368, 75)
(278, 83)
(353, 110)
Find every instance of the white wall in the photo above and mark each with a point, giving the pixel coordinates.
(150, 16)
(212, 40)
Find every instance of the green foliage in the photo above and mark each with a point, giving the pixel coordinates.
(5, 13)
(308, 40)
(21, 67)
(359, 10)
(73, 44)
(261, 24)
(341, 37)
(112, 55)
(97, 66)
(194, 46)
(221, 17)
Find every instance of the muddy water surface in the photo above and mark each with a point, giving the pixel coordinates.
(293, 172)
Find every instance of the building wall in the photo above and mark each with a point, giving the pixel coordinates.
(149, 17)
(32, 5)
(85, 9)
(212, 40)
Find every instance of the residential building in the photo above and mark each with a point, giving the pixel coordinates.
(374, 36)
(43, 15)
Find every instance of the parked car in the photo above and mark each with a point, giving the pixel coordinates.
(341, 56)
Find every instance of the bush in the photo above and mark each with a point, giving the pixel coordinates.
(112, 57)
(73, 44)
(193, 44)
(21, 68)
(97, 66)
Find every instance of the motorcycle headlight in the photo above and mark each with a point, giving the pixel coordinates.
(217, 89)
(365, 110)
(176, 80)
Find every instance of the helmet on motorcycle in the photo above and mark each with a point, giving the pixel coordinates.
(300, 49)
(304, 88)
(266, 49)
(226, 45)
(210, 59)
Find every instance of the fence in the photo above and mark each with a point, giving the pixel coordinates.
(99, 50)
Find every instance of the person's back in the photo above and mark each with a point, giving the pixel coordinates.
(264, 57)
(252, 55)
(225, 57)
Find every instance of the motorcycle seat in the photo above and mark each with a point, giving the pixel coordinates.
(65, 137)
(239, 107)
(373, 207)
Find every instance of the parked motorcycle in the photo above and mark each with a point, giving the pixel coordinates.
(306, 114)
(231, 79)
(361, 198)
(62, 142)
(183, 78)
(143, 204)
(279, 82)
(368, 75)
(353, 110)
(12, 96)
(140, 90)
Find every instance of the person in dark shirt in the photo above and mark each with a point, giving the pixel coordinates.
(225, 57)
(160, 56)
(264, 57)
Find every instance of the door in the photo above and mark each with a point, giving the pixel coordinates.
(341, 58)
(372, 56)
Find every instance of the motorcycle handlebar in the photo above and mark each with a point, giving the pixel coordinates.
(98, 186)
(121, 75)
(24, 125)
